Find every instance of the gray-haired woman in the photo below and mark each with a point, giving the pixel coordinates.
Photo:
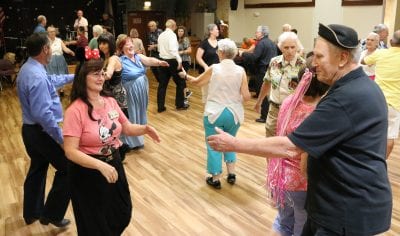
(206, 54)
(227, 90)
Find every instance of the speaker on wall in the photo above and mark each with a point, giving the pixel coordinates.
(234, 5)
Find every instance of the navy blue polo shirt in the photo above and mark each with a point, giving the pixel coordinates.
(345, 137)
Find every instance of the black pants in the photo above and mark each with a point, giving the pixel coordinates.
(259, 78)
(186, 66)
(100, 208)
(312, 229)
(258, 81)
(154, 69)
(165, 75)
(264, 108)
(44, 150)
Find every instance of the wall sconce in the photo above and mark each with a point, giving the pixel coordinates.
(147, 4)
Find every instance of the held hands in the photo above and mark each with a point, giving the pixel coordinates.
(183, 73)
(222, 142)
(163, 63)
(109, 172)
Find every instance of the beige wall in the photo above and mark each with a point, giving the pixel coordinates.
(392, 16)
(243, 22)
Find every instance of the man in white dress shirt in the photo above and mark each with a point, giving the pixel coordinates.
(168, 48)
(81, 21)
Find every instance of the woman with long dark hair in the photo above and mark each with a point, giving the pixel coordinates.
(113, 84)
(92, 126)
(185, 49)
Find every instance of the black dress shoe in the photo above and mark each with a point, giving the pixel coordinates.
(185, 107)
(215, 184)
(231, 179)
(261, 120)
(57, 223)
(159, 110)
(31, 220)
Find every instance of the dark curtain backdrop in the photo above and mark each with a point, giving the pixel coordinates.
(20, 16)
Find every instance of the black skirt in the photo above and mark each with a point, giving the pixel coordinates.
(100, 208)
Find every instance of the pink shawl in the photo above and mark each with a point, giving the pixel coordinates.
(275, 169)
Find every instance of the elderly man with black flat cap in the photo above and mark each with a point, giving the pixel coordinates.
(345, 138)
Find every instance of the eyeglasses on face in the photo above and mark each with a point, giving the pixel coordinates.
(98, 73)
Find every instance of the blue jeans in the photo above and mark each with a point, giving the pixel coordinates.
(292, 215)
(225, 122)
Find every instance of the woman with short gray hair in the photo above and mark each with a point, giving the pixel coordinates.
(97, 31)
(227, 89)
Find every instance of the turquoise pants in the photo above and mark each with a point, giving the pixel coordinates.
(225, 122)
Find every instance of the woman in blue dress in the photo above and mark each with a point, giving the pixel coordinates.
(136, 85)
(57, 65)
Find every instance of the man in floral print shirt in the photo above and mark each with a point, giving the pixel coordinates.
(281, 78)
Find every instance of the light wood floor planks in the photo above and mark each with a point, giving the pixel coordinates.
(166, 180)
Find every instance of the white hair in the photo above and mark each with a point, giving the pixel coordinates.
(355, 54)
(228, 48)
(263, 29)
(286, 27)
(288, 36)
(379, 28)
(97, 29)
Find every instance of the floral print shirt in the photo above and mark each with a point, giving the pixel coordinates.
(283, 76)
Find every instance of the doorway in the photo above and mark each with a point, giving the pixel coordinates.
(139, 20)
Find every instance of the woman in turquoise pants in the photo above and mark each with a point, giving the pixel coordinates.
(225, 85)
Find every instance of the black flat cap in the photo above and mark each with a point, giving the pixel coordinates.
(339, 35)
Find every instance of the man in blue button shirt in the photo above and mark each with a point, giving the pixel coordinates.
(40, 28)
(41, 113)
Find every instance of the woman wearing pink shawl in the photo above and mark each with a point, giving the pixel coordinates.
(285, 178)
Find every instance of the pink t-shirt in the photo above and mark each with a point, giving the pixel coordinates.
(100, 137)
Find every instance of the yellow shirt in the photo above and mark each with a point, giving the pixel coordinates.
(387, 73)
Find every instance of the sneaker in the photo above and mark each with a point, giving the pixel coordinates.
(231, 179)
(185, 107)
(188, 93)
(215, 184)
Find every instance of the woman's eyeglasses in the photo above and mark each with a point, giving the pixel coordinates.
(98, 73)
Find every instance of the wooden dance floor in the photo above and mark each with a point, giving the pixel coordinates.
(167, 180)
